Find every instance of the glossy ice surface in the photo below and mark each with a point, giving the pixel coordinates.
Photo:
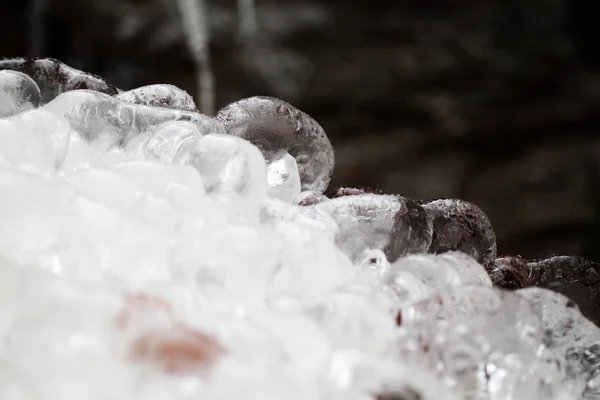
(151, 252)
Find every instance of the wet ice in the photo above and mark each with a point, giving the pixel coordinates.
(18, 93)
(152, 247)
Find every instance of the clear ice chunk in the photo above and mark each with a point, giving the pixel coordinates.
(275, 210)
(277, 127)
(283, 179)
(18, 93)
(230, 165)
(165, 142)
(460, 225)
(416, 276)
(164, 96)
(571, 336)
(485, 342)
(393, 224)
(53, 77)
(572, 276)
(96, 116)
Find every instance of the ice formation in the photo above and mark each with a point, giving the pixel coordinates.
(277, 128)
(165, 96)
(151, 252)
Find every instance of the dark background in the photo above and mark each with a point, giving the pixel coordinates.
(496, 102)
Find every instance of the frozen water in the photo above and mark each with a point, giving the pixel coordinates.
(54, 77)
(275, 210)
(571, 336)
(102, 123)
(96, 115)
(485, 343)
(165, 96)
(18, 93)
(154, 254)
(277, 127)
(165, 141)
(392, 224)
(283, 179)
(572, 276)
(416, 276)
(460, 225)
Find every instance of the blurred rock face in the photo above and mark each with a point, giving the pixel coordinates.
(481, 100)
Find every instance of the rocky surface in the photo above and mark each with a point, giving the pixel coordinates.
(495, 102)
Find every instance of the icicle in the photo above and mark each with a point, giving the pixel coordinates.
(38, 16)
(197, 33)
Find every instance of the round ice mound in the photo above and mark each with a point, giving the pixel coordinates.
(150, 252)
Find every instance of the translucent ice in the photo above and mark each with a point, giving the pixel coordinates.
(18, 93)
(277, 127)
(460, 225)
(283, 179)
(433, 272)
(175, 260)
(96, 115)
(102, 123)
(165, 96)
(230, 165)
(487, 343)
(165, 141)
(574, 277)
(392, 224)
(571, 336)
(312, 218)
(53, 77)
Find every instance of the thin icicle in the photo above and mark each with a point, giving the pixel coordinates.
(248, 25)
(197, 33)
(38, 16)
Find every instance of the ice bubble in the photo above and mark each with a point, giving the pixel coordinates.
(230, 165)
(18, 93)
(277, 127)
(460, 225)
